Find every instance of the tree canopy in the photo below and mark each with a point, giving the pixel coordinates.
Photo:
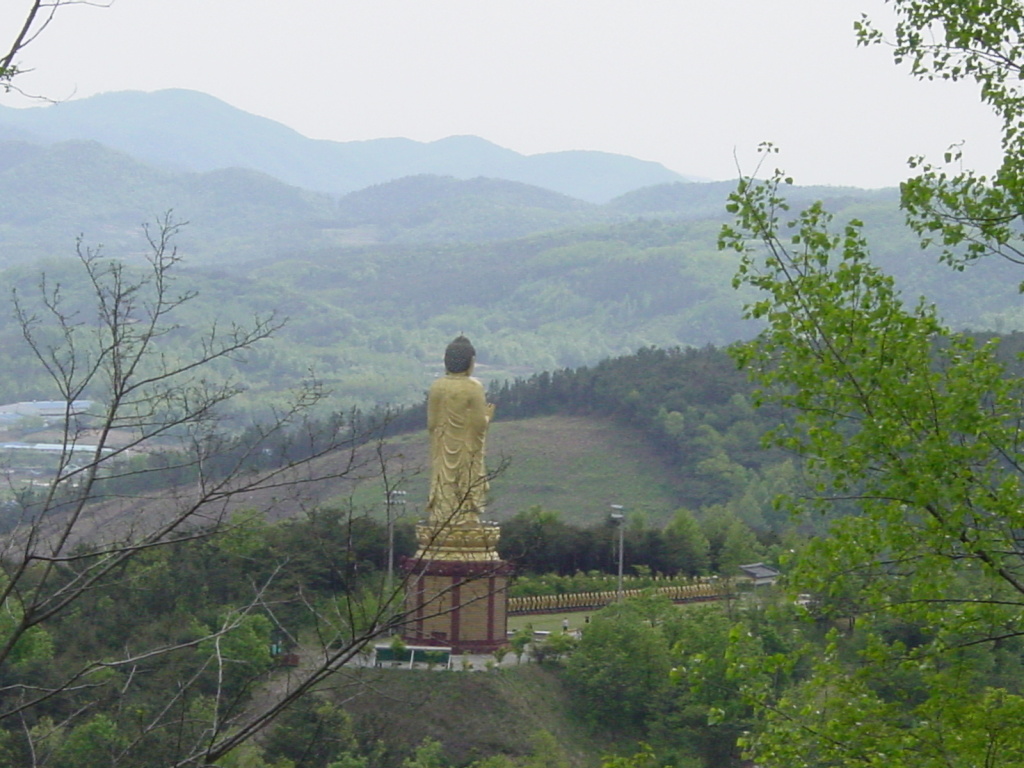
(919, 425)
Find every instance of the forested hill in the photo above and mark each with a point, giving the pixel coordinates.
(695, 408)
(374, 284)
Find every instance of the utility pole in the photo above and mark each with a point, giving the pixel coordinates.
(618, 518)
(392, 498)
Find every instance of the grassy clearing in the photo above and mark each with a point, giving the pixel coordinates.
(574, 465)
(578, 467)
(550, 622)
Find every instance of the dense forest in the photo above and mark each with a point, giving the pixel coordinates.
(374, 284)
(263, 590)
(371, 323)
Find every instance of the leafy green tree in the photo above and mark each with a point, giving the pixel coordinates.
(314, 733)
(93, 744)
(653, 608)
(739, 546)
(33, 645)
(687, 548)
(731, 542)
(520, 640)
(918, 424)
(500, 653)
(240, 646)
(708, 711)
(429, 754)
(539, 540)
(967, 214)
(644, 758)
(620, 669)
(251, 755)
(494, 761)
(555, 647)
(545, 752)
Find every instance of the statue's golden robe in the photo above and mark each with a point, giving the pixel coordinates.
(457, 419)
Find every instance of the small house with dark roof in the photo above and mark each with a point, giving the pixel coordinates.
(760, 574)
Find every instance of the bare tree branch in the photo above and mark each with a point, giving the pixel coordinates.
(39, 14)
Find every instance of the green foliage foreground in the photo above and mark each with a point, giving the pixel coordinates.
(921, 425)
(924, 588)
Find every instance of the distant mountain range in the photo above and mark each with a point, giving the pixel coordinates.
(50, 193)
(180, 130)
(379, 252)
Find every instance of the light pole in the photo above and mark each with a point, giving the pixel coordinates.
(619, 518)
(392, 498)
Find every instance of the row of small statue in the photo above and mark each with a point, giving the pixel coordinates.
(678, 592)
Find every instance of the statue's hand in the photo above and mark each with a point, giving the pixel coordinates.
(490, 411)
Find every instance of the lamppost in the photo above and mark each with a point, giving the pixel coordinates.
(392, 498)
(618, 518)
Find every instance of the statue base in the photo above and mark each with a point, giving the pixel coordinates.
(458, 603)
(470, 542)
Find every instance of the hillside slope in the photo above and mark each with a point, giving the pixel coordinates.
(429, 208)
(472, 714)
(572, 464)
(50, 195)
(575, 465)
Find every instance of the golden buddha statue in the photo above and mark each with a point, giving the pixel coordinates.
(457, 582)
(457, 419)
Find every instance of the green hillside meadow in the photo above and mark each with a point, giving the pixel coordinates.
(576, 466)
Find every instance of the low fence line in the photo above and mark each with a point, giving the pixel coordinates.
(588, 601)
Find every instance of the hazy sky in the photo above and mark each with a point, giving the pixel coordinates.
(690, 84)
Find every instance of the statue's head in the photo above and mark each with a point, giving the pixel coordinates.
(458, 357)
